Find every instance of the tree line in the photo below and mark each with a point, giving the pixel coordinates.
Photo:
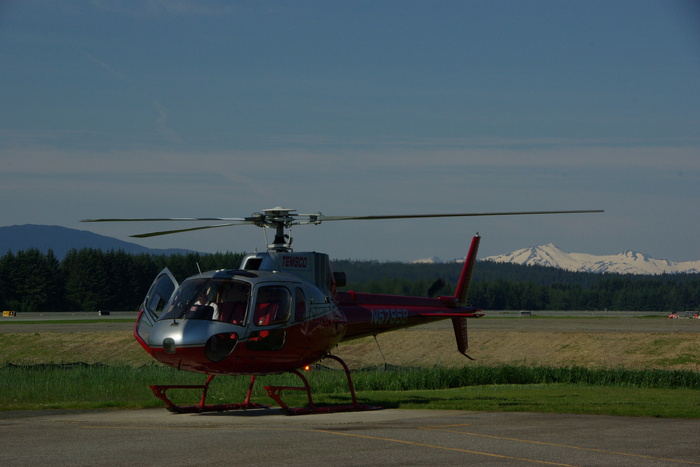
(498, 286)
(90, 279)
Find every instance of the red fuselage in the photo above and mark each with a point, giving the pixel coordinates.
(257, 322)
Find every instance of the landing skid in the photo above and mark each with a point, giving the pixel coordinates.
(160, 391)
(275, 393)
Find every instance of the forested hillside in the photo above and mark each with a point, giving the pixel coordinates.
(499, 286)
(90, 279)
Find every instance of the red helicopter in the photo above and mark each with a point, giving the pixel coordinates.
(281, 311)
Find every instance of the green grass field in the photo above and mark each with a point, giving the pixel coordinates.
(654, 374)
(514, 389)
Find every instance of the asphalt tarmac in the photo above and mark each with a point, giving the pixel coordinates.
(382, 437)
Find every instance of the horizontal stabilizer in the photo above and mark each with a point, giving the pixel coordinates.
(470, 313)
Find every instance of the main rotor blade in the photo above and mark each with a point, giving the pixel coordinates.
(470, 214)
(168, 232)
(167, 219)
(286, 219)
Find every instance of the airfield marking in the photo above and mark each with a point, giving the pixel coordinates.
(443, 447)
(376, 438)
(604, 451)
(442, 428)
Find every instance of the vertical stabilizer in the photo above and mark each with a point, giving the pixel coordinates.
(460, 298)
(466, 277)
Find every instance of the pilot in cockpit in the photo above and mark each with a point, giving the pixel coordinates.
(204, 300)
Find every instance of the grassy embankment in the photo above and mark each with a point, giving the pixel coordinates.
(39, 371)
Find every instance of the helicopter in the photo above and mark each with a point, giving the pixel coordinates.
(280, 312)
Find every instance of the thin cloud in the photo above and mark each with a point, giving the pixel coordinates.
(161, 124)
(104, 65)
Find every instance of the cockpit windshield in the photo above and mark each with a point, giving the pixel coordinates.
(210, 299)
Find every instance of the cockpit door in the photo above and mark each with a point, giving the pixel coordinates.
(159, 294)
(153, 305)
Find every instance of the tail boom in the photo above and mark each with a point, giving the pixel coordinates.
(371, 314)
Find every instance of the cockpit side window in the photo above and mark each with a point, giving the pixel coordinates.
(272, 306)
(233, 305)
(159, 294)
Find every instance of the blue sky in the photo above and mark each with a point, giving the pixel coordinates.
(217, 108)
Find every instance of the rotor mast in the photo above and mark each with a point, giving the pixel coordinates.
(279, 219)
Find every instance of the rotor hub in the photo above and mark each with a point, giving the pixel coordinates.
(280, 219)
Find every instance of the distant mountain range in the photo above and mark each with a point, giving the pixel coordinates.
(61, 240)
(628, 262)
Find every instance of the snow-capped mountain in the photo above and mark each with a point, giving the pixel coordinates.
(628, 262)
(431, 260)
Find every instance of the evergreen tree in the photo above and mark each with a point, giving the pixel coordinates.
(35, 279)
(8, 282)
(86, 280)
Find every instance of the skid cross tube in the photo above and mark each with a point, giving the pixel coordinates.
(275, 393)
(160, 392)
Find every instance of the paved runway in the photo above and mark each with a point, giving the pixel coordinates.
(384, 437)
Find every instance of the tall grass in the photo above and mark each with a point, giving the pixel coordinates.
(75, 386)
(99, 386)
(406, 379)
